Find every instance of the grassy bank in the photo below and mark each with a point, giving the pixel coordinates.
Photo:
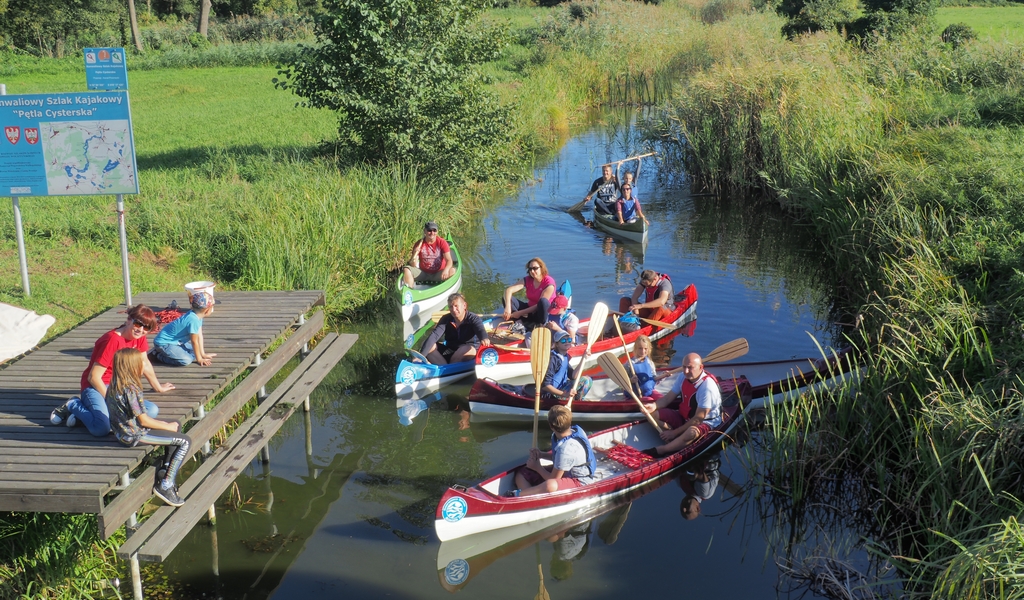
(991, 23)
(905, 158)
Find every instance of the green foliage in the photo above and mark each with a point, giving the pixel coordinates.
(816, 15)
(904, 158)
(58, 28)
(400, 75)
(958, 34)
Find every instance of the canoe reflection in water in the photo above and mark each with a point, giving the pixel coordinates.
(700, 481)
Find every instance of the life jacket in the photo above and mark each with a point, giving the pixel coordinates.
(645, 376)
(651, 291)
(628, 209)
(689, 391)
(560, 377)
(576, 433)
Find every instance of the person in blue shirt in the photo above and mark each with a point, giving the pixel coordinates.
(560, 376)
(180, 342)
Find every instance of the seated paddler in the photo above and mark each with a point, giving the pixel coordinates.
(457, 335)
(573, 461)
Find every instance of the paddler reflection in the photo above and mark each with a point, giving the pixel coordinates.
(700, 481)
(572, 544)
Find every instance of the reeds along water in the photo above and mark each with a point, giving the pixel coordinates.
(916, 196)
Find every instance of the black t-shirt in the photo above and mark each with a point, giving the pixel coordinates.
(470, 330)
(606, 190)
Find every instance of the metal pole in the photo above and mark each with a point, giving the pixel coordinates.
(124, 251)
(19, 232)
(22, 260)
(136, 577)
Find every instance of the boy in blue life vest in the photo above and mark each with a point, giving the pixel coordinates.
(180, 342)
(573, 461)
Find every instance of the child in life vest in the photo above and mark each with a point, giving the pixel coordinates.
(646, 376)
(573, 461)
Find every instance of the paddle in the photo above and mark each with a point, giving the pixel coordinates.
(617, 373)
(727, 351)
(618, 162)
(435, 317)
(629, 358)
(662, 324)
(540, 356)
(416, 355)
(510, 348)
(543, 593)
(594, 331)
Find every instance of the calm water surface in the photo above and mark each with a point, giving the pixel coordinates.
(346, 505)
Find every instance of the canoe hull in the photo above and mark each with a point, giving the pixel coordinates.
(422, 300)
(634, 232)
(418, 378)
(467, 511)
(514, 367)
(760, 383)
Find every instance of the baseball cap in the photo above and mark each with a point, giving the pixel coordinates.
(201, 300)
(558, 303)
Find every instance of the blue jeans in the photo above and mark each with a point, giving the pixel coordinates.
(91, 410)
(178, 354)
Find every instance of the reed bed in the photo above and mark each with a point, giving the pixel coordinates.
(904, 157)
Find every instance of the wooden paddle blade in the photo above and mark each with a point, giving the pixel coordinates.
(728, 351)
(617, 373)
(661, 324)
(510, 348)
(578, 207)
(540, 353)
(597, 320)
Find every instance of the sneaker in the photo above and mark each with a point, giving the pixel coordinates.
(168, 494)
(161, 473)
(63, 415)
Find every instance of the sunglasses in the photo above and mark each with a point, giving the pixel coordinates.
(565, 340)
(535, 268)
(431, 230)
(626, 187)
(142, 325)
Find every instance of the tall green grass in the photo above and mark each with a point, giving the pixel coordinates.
(905, 158)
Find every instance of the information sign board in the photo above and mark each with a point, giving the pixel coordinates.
(105, 69)
(67, 145)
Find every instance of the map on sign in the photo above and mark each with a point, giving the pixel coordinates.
(67, 144)
(88, 157)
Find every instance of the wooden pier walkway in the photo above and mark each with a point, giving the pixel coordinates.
(48, 468)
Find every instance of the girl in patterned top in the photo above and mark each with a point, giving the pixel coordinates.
(132, 426)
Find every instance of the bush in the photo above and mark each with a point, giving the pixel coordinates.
(720, 10)
(400, 75)
(958, 34)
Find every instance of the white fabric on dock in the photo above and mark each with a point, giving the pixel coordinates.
(20, 330)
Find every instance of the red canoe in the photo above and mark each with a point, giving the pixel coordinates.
(507, 366)
(466, 511)
(768, 382)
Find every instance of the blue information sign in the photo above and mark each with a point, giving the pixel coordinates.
(105, 69)
(67, 145)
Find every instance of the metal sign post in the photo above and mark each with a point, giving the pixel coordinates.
(19, 232)
(124, 251)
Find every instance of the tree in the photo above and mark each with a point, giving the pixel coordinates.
(400, 75)
(133, 19)
(204, 18)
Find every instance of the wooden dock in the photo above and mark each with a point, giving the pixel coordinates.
(48, 468)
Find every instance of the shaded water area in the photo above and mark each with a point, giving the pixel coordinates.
(346, 505)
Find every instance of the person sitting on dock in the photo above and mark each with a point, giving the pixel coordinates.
(457, 336)
(659, 297)
(181, 341)
(699, 412)
(132, 426)
(606, 187)
(90, 408)
(431, 259)
(573, 461)
(628, 208)
(562, 319)
(540, 289)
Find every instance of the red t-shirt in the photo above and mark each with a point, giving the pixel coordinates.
(103, 353)
(432, 255)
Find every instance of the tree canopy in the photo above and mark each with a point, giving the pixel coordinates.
(400, 74)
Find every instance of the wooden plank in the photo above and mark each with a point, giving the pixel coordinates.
(240, 435)
(181, 521)
(41, 502)
(140, 490)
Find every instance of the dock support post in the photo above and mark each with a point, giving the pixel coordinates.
(260, 397)
(136, 577)
(201, 414)
(305, 347)
(211, 515)
(132, 520)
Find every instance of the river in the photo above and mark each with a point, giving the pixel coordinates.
(346, 505)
